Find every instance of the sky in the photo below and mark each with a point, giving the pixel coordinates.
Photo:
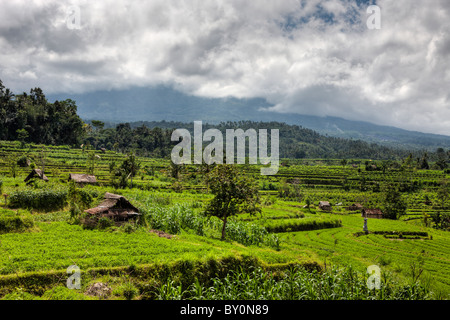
(315, 57)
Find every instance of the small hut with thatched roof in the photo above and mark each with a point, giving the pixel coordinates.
(35, 174)
(372, 213)
(115, 207)
(82, 179)
(355, 207)
(325, 205)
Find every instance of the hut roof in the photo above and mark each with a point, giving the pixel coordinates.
(113, 202)
(371, 212)
(36, 173)
(82, 178)
(356, 206)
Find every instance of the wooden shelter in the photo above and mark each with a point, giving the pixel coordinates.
(325, 205)
(372, 213)
(36, 173)
(115, 207)
(355, 206)
(82, 178)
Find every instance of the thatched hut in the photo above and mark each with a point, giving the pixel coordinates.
(325, 205)
(355, 207)
(82, 179)
(36, 174)
(372, 213)
(115, 207)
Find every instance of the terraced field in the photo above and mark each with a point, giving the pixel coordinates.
(405, 249)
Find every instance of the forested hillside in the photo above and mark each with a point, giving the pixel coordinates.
(31, 118)
(153, 139)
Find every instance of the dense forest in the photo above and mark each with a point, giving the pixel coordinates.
(153, 139)
(30, 118)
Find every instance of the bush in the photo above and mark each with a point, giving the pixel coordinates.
(128, 228)
(75, 213)
(13, 222)
(127, 290)
(23, 161)
(104, 223)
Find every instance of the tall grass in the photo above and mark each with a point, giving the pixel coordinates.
(49, 197)
(173, 219)
(182, 216)
(40, 199)
(294, 284)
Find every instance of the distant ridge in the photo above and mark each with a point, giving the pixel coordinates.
(164, 103)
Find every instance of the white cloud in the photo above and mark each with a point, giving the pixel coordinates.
(310, 57)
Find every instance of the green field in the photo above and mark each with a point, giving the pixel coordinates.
(34, 261)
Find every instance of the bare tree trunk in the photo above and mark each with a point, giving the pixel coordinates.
(223, 227)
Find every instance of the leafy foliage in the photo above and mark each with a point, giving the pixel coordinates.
(233, 194)
(294, 284)
(393, 205)
(32, 118)
(11, 221)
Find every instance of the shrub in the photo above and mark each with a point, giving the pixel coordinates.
(126, 290)
(23, 161)
(75, 213)
(13, 222)
(104, 223)
(128, 228)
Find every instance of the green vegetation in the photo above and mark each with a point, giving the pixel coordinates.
(290, 225)
(31, 118)
(233, 194)
(291, 249)
(294, 284)
(11, 221)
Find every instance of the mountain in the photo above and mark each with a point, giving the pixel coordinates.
(164, 103)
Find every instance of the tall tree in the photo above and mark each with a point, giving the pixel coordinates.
(131, 166)
(233, 194)
(98, 125)
(393, 204)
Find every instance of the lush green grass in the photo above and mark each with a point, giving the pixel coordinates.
(340, 246)
(54, 244)
(58, 245)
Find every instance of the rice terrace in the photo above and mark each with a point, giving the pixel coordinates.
(158, 243)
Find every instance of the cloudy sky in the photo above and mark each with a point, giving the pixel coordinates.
(306, 56)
